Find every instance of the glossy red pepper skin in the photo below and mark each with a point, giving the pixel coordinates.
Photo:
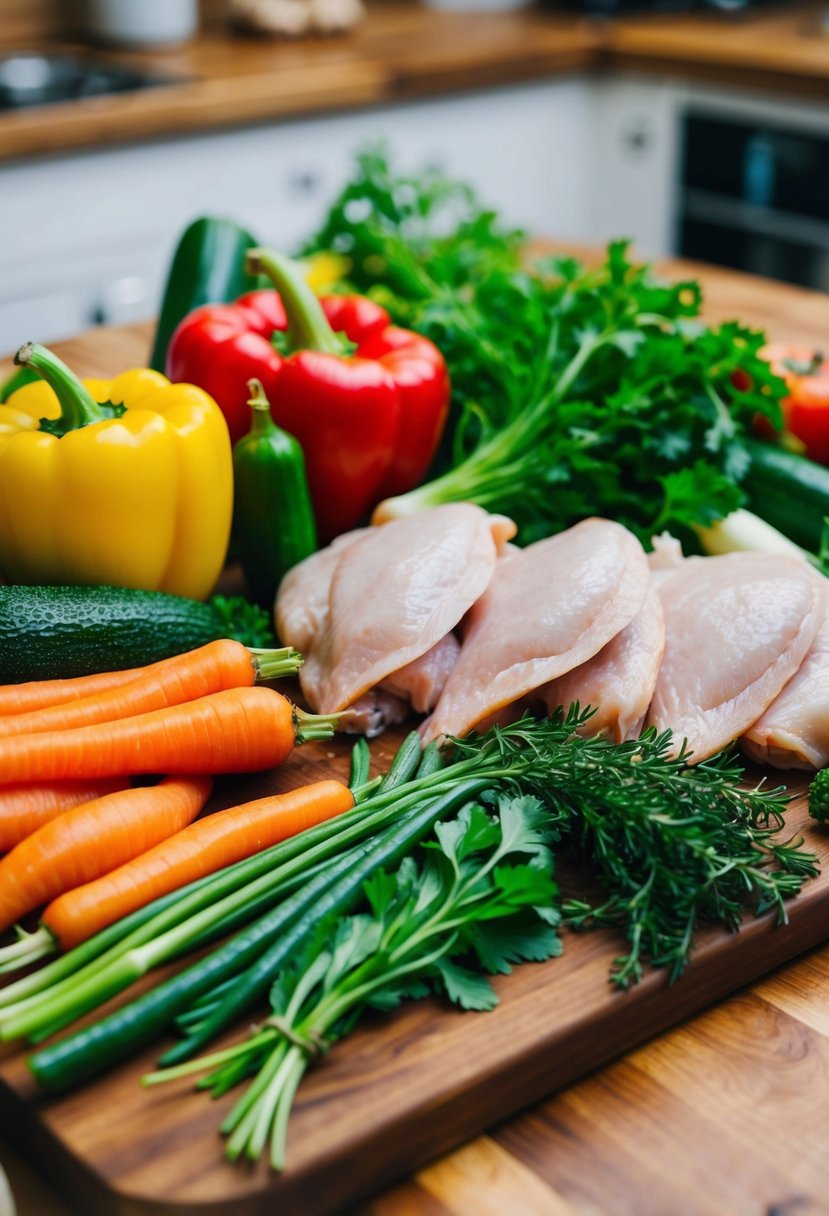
(369, 422)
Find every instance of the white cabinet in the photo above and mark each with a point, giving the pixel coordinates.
(87, 237)
(634, 153)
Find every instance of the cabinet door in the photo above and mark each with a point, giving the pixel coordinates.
(525, 149)
(100, 252)
(633, 165)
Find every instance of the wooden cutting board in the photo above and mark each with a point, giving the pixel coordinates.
(400, 1090)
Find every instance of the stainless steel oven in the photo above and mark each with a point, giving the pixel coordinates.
(754, 193)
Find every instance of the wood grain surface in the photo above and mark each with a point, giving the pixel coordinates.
(404, 50)
(400, 51)
(724, 1114)
(402, 1088)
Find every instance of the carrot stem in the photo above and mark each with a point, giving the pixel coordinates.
(275, 664)
(313, 726)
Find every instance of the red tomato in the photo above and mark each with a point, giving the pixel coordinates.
(806, 409)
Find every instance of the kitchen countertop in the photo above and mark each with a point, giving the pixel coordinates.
(723, 1114)
(404, 50)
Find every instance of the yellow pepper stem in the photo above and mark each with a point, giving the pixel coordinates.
(78, 408)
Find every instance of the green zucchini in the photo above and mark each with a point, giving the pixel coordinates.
(788, 491)
(62, 632)
(208, 267)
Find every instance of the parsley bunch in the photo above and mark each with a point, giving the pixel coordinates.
(481, 888)
(576, 390)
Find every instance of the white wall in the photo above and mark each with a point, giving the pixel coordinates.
(88, 237)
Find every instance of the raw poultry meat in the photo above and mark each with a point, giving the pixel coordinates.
(421, 681)
(302, 602)
(794, 730)
(619, 681)
(395, 593)
(737, 628)
(549, 608)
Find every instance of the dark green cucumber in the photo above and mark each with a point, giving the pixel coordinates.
(788, 491)
(208, 267)
(62, 632)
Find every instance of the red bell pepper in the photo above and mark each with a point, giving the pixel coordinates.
(366, 400)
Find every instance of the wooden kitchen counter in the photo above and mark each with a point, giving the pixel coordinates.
(404, 50)
(783, 48)
(725, 1115)
(401, 51)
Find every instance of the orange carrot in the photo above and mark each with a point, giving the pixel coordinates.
(238, 730)
(211, 668)
(204, 847)
(94, 838)
(40, 694)
(25, 808)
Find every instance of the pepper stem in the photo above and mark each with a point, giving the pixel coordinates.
(308, 327)
(262, 423)
(78, 407)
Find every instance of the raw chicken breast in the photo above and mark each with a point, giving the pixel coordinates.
(422, 681)
(395, 593)
(549, 608)
(619, 681)
(794, 730)
(302, 601)
(737, 627)
(666, 557)
(373, 712)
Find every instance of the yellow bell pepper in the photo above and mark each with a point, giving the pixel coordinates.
(127, 482)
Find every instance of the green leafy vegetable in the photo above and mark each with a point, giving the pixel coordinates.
(819, 796)
(481, 889)
(577, 390)
(672, 845)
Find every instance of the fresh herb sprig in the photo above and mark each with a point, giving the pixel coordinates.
(674, 846)
(694, 846)
(481, 888)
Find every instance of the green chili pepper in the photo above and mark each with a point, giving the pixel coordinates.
(273, 520)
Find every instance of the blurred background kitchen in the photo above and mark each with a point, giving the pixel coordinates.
(695, 128)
